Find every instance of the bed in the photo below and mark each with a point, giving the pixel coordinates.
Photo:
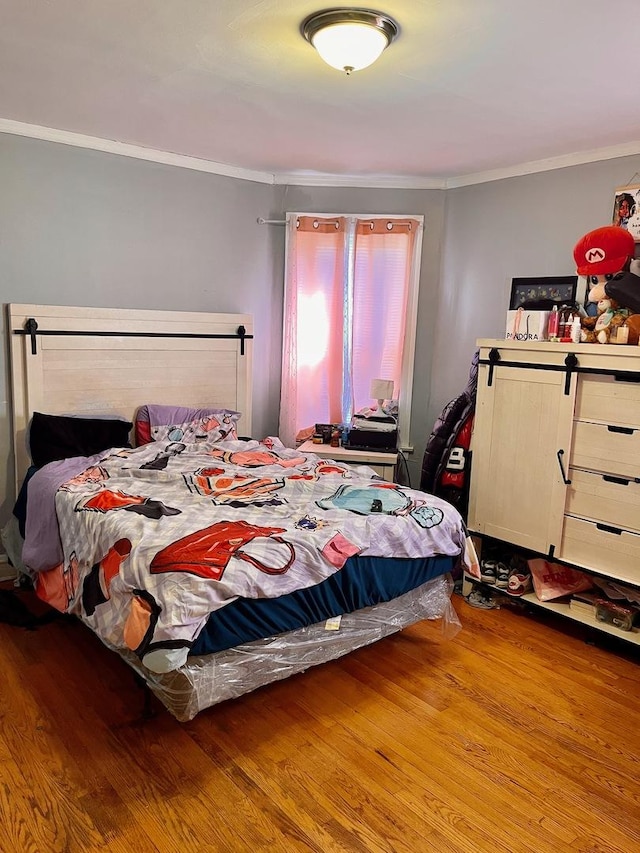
(212, 562)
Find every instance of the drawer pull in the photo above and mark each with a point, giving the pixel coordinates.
(606, 529)
(559, 455)
(620, 481)
(623, 430)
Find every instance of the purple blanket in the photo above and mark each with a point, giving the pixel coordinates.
(42, 548)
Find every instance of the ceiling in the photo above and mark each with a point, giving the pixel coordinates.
(468, 87)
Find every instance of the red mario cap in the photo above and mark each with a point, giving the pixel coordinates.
(604, 251)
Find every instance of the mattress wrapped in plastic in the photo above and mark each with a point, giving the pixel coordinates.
(208, 679)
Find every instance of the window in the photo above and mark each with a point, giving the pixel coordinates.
(351, 293)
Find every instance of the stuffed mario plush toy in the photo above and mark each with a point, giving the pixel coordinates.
(606, 257)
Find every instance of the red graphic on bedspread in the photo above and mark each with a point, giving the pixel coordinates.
(95, 474)
(58, 585)
(210, 472)
(255, 458)
(206, 553)
(241, 488)
(322, 469)
(107, 501)
(96, 588)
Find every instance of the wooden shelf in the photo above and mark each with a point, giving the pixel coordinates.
(563, 609)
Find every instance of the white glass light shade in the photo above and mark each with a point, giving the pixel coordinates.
(349, 47)
(349, 39)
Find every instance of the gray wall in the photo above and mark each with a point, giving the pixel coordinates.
(524, 226)
(80, 227)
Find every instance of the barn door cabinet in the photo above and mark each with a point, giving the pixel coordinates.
(556, 454)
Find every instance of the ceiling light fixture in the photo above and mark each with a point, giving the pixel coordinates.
(349, 39)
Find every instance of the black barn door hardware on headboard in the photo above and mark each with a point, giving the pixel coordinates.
(31, 330)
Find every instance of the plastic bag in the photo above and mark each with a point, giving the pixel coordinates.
(553, 580)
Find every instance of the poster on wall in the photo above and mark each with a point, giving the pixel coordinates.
(626, 209)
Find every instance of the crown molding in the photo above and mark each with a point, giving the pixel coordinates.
(578, 158)
(124, 149)
(317, 179)
(313, 179)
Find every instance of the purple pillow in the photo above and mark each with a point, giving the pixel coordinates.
(190, 426)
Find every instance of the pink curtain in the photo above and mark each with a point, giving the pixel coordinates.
(346, 291)
(383, 258)
(312, 364)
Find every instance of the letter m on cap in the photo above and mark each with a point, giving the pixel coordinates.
(595, 255)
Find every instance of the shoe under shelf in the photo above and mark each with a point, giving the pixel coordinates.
(562, 608)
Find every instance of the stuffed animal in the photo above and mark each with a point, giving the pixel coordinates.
(606, 257)
(602, 329)
(633, 324)
(605, 328)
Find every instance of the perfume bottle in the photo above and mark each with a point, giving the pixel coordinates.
(575, 330)
(565, 327)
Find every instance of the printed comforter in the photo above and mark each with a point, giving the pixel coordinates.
(153, 540)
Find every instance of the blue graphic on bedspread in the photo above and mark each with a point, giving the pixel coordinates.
(382, 498)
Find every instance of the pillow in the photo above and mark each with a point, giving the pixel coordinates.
(179, 423)
(55, 437)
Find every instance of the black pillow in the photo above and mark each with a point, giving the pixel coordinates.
(54, 437)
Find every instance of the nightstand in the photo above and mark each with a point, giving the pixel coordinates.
(384, 464)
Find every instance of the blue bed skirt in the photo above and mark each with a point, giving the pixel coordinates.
(362, 582)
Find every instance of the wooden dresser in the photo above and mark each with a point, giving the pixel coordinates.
(556, 452)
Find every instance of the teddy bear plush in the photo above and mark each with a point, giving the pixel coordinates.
(587, 330)
(603, 328)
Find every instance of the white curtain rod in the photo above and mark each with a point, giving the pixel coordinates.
(262, 221)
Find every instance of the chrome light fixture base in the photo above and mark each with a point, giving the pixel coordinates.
(322, 22)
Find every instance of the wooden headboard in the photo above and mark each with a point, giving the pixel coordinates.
(97, 361)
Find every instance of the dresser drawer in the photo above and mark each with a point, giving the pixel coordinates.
(616, 555)
(614, 501)
(612, 449)
(604, 398)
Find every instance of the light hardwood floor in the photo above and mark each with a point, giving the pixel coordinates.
(515, 736)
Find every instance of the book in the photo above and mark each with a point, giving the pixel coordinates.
(586, 597)
(581, 604)
(376, 424)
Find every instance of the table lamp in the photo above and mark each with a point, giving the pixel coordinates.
(381, 390)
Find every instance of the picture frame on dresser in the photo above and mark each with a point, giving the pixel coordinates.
(559, 290)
